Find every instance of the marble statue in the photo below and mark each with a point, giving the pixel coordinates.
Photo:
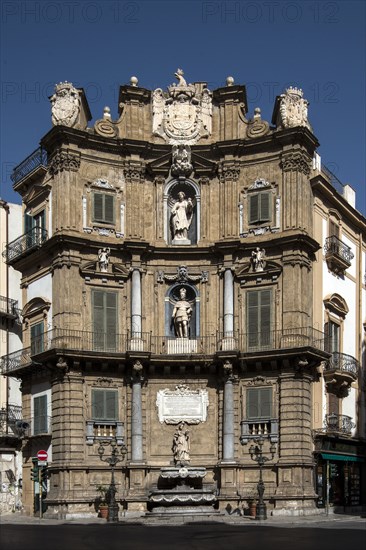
(181, 445)
(181, 165)
(103, 259)
(65, 105)
(181, 315)
(181, 217)
(258, 259)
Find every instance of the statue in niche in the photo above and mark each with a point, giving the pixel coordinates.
(181, 218)
(258, 260)
(103, 259)
(181, 446)
(181, 315)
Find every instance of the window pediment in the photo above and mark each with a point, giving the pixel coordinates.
(336, 304)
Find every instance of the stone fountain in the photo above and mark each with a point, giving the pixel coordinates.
(180, 487)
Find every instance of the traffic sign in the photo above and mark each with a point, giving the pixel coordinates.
(42, 455)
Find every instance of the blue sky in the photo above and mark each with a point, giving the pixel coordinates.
(266, 45)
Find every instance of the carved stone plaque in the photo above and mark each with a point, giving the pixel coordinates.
(182, 405)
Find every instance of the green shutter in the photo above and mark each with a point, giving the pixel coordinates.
(28, 223)
(265, 207)
(259, 318)
(37, 338)
(259, 403)
(98, 404)
(104, 320)
(109, 208)
(104, 404)
(98, 207)
(111, 399)
(40, 414)
(253, 208)
(103, 208)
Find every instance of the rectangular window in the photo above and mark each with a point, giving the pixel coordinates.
(259, 208)
(103, 208)
(40, 423)
(105, 405)
(259, 305)
(259, 403)
(333, 229)
(105, 320)
(37, 338)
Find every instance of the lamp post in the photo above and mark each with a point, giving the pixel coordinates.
(256, 454)
(112, 460)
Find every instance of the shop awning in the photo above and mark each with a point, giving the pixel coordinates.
(346, 458)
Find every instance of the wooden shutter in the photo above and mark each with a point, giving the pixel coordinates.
(104, 404)
(104, 320)
(98, 207)
(40, 414)
(109, 208)
(28, 223)
(265, 207)
(98, 412)
(111, 319)
(37, 338)
(333, 229)
(111, 405)
(333, 403)
(253, 208)
(259, 403)
(259, 318)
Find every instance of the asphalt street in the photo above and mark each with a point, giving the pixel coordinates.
(217, 536)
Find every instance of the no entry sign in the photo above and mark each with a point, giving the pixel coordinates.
(42, 455)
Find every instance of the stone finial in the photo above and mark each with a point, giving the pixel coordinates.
(257, 113)
(230, 81)
(134, 81)
(106, 113)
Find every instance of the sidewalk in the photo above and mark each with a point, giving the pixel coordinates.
(234, 519)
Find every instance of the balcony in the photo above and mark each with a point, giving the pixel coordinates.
(11, 422)
(339, 373)
(30, 241)
(31, 167)
(337, 254)
(252, 429)
(338, 424)
(8, 308)
(104, 430)
(117, 347)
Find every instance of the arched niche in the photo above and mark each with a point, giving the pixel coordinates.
(171, 298)
(171, 197)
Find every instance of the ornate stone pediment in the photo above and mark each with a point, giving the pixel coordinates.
(246, 272)
(182, 276)
(183, 115)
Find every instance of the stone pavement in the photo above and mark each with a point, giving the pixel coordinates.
(234, 519)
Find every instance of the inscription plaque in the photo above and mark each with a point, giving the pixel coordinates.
(182, 405)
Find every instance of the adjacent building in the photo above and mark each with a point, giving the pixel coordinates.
(12, 425)
(192, 281)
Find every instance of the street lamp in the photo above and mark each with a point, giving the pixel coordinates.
(112, 460)
(256, 454)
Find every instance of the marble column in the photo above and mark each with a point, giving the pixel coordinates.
(228, 420)
(228, 303)
(136, 304)
(136, 414)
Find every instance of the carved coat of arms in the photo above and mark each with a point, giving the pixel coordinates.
(294, 109)
(65, 104)
(183, 115)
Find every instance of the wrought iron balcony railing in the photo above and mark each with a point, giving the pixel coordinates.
(32, 162)
(338, 423)
(29, 241)
(11, 420)
(114, 345)
(342, 363)
(8, 307)
(334, 247)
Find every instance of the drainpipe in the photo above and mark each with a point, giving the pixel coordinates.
(5, 206)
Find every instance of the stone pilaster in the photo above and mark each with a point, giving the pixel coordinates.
(228, 178)
(297, 211)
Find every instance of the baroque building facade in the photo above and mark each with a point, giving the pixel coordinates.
(170, 266)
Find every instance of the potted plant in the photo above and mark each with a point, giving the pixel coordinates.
(102, 501)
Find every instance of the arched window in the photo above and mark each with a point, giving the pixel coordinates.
(182, 211)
